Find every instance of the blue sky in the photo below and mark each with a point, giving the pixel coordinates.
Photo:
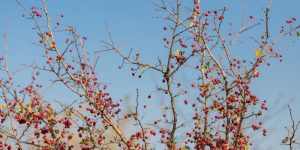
(133, 25)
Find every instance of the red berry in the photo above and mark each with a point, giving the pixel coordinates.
(186, 102)
(221, 17)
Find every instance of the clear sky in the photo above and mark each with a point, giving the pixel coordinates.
(133, 25)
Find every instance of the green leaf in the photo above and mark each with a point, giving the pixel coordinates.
(163, 107)
(258, 52)
(203, 67)
(178, 53)
(298, 34)
(247, 147)
(186, 147)
(207, 64)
